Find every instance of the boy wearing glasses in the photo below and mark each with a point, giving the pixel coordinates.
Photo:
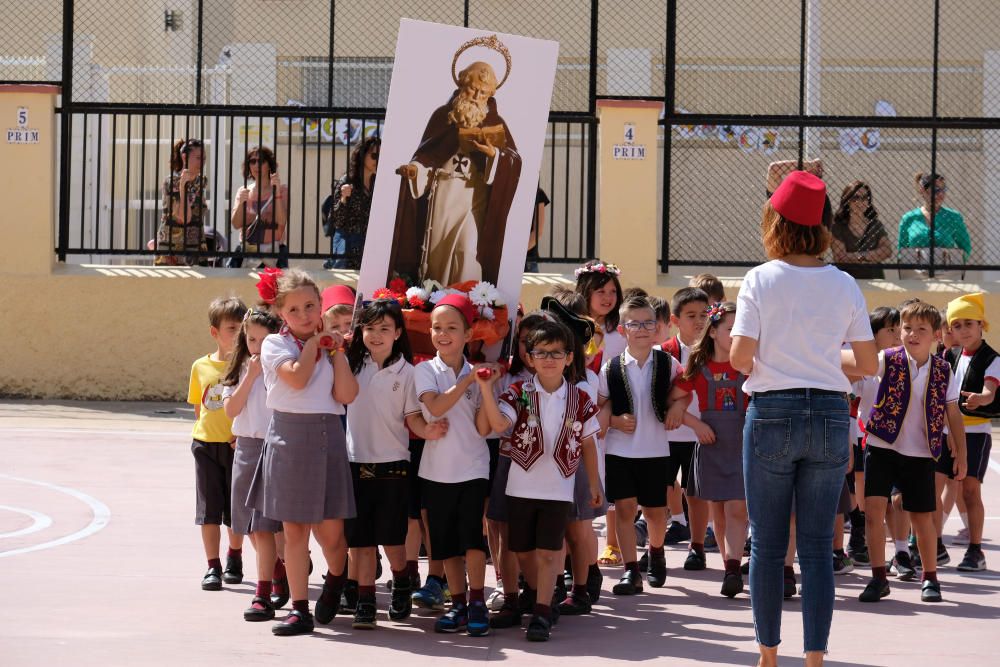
(552, 424)
(634, 387)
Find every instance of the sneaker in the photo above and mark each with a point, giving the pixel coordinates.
(431, 595)
(233, 574)
(496, 599)
(349, 598)
(401, 605)
(875, 590)
(478, 620)
(911, 541)
(212, 581)
(644, 562)
(329, 264)
(575, 605)
(942, 555)
(676, 533)
(732, 584)
(859, 554)
(629, 584)
(694, 561)
(508, 616)
(961, 538)
(260, 609)
(842, 563)
(657, 575)
(930, 591)
(446, 592)
(745, 568)
(296, 623)
(365, 616)
(974, 561)
(915, 559)
(903, 566)
(454, 621)
(711, 546)
(790, 587)
(641, 533)
(594, 584)
(539, 629)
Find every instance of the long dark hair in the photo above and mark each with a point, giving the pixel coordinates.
(356, 167)
(180, 150)
(589, 282)
(264, 318)
(704, 349)
(375, 312)
(843, 214)
(528, 323)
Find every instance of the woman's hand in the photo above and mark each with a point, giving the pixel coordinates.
(242, 196)
(345, 192)
(276, 184)
(186, 177)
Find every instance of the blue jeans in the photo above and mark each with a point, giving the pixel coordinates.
(795, 451)
(348, 246)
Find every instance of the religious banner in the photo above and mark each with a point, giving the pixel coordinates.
(461, 152)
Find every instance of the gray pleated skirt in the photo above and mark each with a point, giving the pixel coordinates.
(582, 511)
(304, 475)
(246, 519)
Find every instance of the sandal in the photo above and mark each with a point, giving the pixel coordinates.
(610, 556)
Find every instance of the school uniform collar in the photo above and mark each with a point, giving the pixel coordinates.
(394, 367)
(629, 359)
(912, 363)
(559, 393)
(442, 366)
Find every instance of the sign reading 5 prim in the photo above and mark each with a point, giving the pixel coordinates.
(22, 134)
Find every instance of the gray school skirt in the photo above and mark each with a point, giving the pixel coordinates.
(304, 475)
(582, 511)
(246, 519)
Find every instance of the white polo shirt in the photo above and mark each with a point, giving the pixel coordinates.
(912, 438)
(253, 419)
(315, 398)
(376, 420)
(650, 438)
(685, 433)
(462, 454)
(614, 344)
(544, 481)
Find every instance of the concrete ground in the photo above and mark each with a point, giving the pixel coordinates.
(100, 564)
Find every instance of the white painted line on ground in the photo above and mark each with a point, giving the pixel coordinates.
(117, 432)
(39, 522)
(100, 511)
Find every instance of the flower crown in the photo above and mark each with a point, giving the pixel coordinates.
(267, 285)
(598, 267)
(716, 311)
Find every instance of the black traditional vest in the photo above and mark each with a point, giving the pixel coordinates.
(621, 393)
(975, 378)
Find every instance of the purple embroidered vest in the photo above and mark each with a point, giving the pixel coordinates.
(893, 398)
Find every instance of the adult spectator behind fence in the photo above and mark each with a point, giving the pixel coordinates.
(537, 227)
(180, 234)
(858, 235)
(952, 245)
(793, 315)
(346, 211)
(261, 211)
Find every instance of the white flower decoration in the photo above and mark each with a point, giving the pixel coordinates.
(480, 294)
(418, 292)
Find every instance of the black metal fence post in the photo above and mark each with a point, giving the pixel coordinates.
(199, 64)
(669, 106)
(931, 212)
(591, 135)
(65, 129)
(803, 27)
(329, 65)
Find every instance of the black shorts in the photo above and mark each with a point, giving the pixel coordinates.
(680, 460)
(213, 474)
(455, 516)
(859, 457)
(887, 470)
(381, 496)
(977, 448)
(642, 479)
(416, 452)
(493, 444)
(536, 524)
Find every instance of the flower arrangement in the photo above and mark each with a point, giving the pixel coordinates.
(598, 267)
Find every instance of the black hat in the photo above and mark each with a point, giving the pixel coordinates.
(581, 327)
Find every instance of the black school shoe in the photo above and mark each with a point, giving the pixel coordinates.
(694, 561)
(657, 571)
(365, 615)
(875, 590)
(401, 605)
(327, 611)
(644, 562)
(629, 584)
(539, 629)
(594, 582)
(559, 593)
(509, 615)
(260, 609)
(791, 587)
(732, 584)
(930, 591)
(575, 605)
(296, 623)
(279, 600)
(349, 597)
(233, 574)
(212, 581)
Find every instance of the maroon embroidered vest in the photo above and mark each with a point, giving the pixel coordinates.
(526, 440)
(893, 398)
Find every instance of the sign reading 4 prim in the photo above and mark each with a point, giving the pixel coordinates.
(629, 150)
(22, 134)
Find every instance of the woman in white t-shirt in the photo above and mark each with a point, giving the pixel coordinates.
(793, 314)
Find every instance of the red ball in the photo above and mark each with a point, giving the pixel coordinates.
(326, 342)
(484, 373)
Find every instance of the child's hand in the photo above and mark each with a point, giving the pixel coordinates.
(624, 423)
(253, 366)
(973, 400)
(704, 432)
(595, 496)
(330, 340)
(487, 374)
(437, 430)
(960, 467)
(675, 416)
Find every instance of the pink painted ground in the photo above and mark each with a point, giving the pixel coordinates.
(83, 593)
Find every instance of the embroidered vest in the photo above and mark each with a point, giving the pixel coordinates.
(526, 440)
(975, 378)
(893, 398)
(621, 393)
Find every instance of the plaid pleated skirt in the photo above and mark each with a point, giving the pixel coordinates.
(246, 520)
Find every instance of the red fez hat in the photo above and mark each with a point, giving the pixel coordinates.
(800, 199)
(337, 295)
(461, 303)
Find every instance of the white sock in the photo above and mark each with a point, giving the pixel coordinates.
(680, 518)
(901, 546)
(965, 519)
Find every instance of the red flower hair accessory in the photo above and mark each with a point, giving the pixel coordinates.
(267, 285)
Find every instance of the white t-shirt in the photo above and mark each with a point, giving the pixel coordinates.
(315, 398)
(800, 317)
(614, 344)
(992, 373)
(649, 440)
(253, 420)
(685, 433)
(544, 481)
(912, 438)
(590, 387)
(376, 426)
(462, 454)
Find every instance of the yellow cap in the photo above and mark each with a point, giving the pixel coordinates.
(968, 307)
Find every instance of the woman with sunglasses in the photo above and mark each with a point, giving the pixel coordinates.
(951, 237)
(180, 235)
(858, 236)
(345, 212)
(261, 211)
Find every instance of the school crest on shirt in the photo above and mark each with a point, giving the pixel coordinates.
(212, 398)
(396, 385)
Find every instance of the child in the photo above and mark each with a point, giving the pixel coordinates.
(948, 490)
(717, 465)
(338, 308)
(245, 402)
(634, 387)
(304, 480)
(553, 425)
(917, 394)
(378, 448)
(710, 285)
(455, 468)
(212, 445)
(688, 309)
(977, 372)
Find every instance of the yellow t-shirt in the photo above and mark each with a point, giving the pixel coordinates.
(205, 389)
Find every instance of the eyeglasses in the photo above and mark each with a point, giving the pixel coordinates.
(634, 325)
(548, 354)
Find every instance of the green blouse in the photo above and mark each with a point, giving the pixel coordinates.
(949, 231)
